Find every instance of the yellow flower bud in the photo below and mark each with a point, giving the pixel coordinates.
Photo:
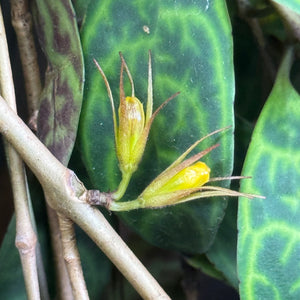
(130, 131)
(191, 177)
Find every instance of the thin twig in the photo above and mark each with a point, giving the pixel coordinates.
(67, 195)
(70, 281)
(43, 284)
(22, 23)
(72, 258)
(63, 283)
(25, 235)
(26, 238)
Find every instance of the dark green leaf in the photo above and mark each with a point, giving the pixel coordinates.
(268, 241)
(192, 53)
(223, 251)
(201, 262)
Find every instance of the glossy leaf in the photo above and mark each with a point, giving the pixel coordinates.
(223, 252)
(192, 53)
(62, 95)
(292, 4)
(269, 240)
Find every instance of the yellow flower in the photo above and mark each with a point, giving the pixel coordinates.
(184, 180)
(178, 181)
(191, 177)
(132, 132)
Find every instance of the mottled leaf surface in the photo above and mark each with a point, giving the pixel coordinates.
(62, 95)
(269, 240)
(192, 52)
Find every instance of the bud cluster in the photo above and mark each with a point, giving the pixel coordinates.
(182, 181)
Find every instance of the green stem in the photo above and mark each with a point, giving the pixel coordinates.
(119, 193)
(125, 206)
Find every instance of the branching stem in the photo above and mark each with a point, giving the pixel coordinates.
(68, 196)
